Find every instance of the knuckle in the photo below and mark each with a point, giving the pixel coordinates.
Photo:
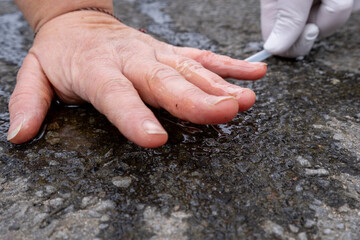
(190, 93)
(114, 86)
(340, 6)
(208, 58)
(185, 65)
(16, 97)
(205, 55)
(290, 18)
(19, 97)
(105, 91)
(188, 101)
(160, 73)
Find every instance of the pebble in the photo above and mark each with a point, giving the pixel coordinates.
(50, 189)
(273, 228)
(335, 81)
(38, 218)
(293, 228)
(141, 206)
(309, 223)
(39, 193)
(122, 182)
(94, 214)
(53, 126)
(52, 138)
(103, 226)
(109, 153)
(302, 236)
(344, 208)
(323, 183)
(299, 188)
(327, 231)
(317, 202)
(2, 180)
(14, 227)
(105, 205)
(69, 209)
(340, 226)
(318, 126)
(104, 218)
(239, 230)
(316, 172)
(338, 136)
(57, 202)
(61, 235)
(46, 209)
(23, 188)
(65, 195)
(303, 162)
(53, 163)
(86, 201)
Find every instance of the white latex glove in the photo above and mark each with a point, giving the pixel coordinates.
(290, 27)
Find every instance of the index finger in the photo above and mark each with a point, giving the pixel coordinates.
(224, 66)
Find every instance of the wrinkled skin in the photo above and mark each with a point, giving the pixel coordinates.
(90, 57)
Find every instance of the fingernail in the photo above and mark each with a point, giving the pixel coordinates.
(311, 32)
(258, 63)
(217, 100)
(152, 128)
(15, 126)
(311, 35)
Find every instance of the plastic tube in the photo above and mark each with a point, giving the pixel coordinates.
(259, 57)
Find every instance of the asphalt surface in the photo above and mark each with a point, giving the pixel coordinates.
(286, 169)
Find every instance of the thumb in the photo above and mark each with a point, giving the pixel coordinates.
(29, 102)
(290, 22)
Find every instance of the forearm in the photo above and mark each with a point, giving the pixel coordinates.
(38, 12)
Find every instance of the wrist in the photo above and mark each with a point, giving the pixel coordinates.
(38, 12)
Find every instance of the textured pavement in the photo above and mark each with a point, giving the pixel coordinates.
(289, 168)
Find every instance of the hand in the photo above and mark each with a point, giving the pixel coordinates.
(88, 56)
(290, 28)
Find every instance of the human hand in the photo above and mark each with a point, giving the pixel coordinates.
(88, 56)
(290, 28)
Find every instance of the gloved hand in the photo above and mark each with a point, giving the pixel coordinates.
(290, 28)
